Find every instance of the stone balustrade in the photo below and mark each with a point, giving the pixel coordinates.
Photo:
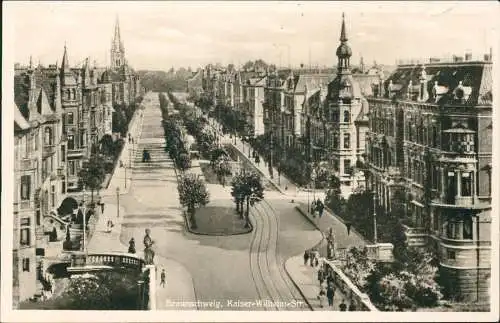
(351, 291)
(85, 262)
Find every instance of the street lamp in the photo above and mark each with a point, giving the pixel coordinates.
(117, 202)
(313, 177)
(374, 217)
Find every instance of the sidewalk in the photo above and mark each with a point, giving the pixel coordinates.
(305, 278)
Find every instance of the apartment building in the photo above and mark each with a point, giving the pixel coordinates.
(430, 135)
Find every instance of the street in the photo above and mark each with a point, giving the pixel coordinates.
(224, 268)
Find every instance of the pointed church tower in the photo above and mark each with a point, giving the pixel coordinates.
(117, 48)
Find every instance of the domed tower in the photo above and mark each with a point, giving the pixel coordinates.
(117, 48)
(344, 52)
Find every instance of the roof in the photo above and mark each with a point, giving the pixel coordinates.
(363, 114)
(19, 120)
(312, 81)
(365, 82)
(446, 78)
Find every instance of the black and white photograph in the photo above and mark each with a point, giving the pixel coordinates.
(249, 161)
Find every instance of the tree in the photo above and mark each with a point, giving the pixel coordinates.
(358, 266)
(92, 174)
(183, 162)
(247, 186)
(222, 168)
(192, 194)
(102, 291)
(107, 145)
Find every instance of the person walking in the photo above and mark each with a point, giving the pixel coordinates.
(102, 207)
(163, 278)
(321, 276)
(306, 256)
(316, 257)
(313, 209)
(343, 306)
(348, 227)
(330, 294)
(322, 298)
(352, 307)
(321, 207)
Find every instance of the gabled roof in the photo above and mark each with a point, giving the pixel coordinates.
(19, 120)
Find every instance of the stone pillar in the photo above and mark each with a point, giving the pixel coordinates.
(458, 175)
(443, 182)
(152, 287)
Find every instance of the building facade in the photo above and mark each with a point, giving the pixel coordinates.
(60, 116)
(430, 137)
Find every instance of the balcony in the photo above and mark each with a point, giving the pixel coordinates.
(460, 202)
(72, 153)
(48, 150)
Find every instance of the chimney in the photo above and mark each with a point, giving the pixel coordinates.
(468, 57)
(457, 59)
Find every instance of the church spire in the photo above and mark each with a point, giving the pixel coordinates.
(117, 38)
(117, 48)
(65, 62)
(343, 34)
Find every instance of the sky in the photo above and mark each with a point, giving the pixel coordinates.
(159, 35)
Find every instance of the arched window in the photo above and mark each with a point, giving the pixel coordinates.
(346, 116)
(48, 136)
(68, 94)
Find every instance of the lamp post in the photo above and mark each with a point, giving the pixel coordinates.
(313, 177)
(84, 221)
(125, 178)
(374, 217)
(117, 202)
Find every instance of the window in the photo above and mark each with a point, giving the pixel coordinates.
(53, 195)
(48, 136)
(346, 116)
(63, 187)
(347, 166)
(63, 153)
(466, 184)
(25, 187)
(71, 168)
(467, 234)
(70, 118)
(26, 264)
(71, 142)
(25, 237)
(347, 141)
(450, 254)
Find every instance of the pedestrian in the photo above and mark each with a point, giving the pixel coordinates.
(321, 276)
(311, 258)
(131, 246)
(322, 297)
(162, 278)
(313, 209)
(102, 207)
(330, 294)
(321, 207)
(348, 226)
(343, 306)
(352, 307)
(316, 257)
(109, 225)
(306, 256)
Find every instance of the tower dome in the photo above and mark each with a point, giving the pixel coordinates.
(344, 51)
